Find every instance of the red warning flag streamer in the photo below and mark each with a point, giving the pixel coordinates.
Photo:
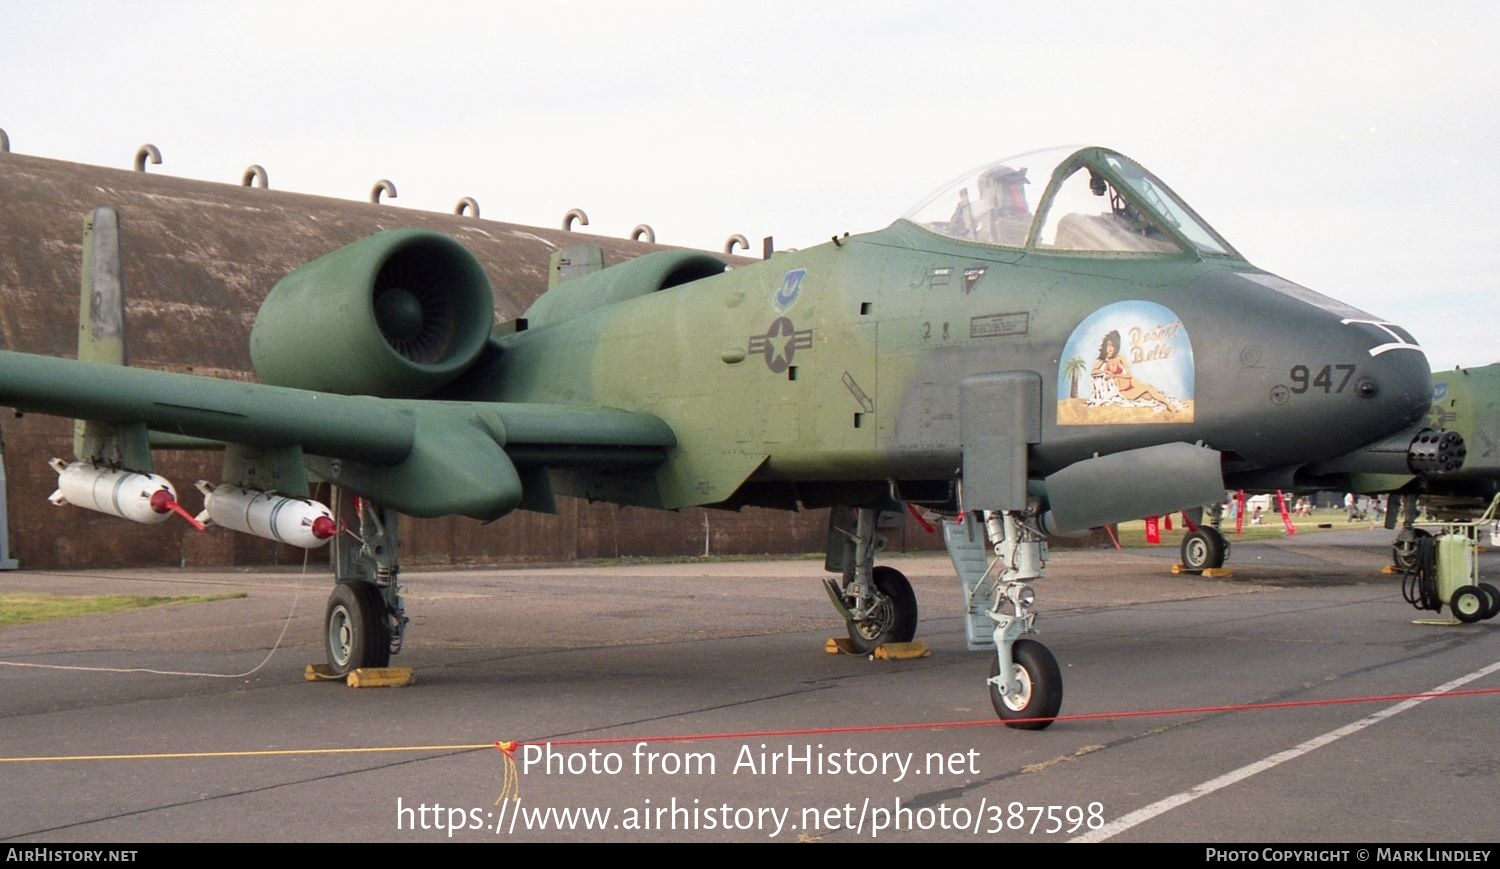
(1188, 523)
(1166, 522)
(921, 520)
(1286, 517)
(162, 502)
(1110, 530)
(1153, 530)
(1239, 515)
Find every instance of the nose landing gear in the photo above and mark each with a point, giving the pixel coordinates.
(1025, 682)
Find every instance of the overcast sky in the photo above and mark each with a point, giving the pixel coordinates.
(1348, 146)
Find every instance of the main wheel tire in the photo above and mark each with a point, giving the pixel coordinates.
(355, 628)
(1468, 603)
(1404, 550)
(1204, 549)
(1041, 687)
(1492, 595)
(894, 619)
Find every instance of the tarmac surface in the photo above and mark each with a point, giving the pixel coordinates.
(726, 654)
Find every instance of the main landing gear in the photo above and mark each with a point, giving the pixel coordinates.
(877, 603)
(365, 621)
(1204, 549)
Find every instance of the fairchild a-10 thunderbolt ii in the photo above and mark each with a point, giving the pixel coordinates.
(1052, 343)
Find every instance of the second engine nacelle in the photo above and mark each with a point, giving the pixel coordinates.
(398, 315)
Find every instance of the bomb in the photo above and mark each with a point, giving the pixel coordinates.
(145, 498)
(298, 521)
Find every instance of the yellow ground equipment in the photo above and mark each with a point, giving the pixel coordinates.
(1445, 569)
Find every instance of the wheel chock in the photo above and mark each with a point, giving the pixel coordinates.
(839, 646)
(381, 677)
(319, 673)
(1389, 569)
(1449, 622)
(1213, 572)
(883, 652)
(901, 651)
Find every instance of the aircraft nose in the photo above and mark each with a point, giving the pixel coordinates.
(1315, 378)
(1368, 381)
(1396, 380)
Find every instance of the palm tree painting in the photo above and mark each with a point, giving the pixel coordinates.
(1073, 369)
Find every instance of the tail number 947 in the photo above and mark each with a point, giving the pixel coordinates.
(1329, 378)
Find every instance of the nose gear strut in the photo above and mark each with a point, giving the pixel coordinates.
(1025, 682)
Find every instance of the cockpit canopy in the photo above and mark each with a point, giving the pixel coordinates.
(1072, 200)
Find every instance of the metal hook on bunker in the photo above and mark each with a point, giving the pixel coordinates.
(145, 151)
(382, 186)
(253, 173)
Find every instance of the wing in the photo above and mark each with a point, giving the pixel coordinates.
(422, 458)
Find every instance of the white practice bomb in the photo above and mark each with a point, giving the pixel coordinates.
(127, 494)
(298, 521)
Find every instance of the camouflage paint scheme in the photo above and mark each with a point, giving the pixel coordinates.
(821, 376)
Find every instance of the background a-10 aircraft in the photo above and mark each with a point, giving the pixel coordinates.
(1052, 343)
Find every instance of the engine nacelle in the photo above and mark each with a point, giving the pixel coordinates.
(638, 277)
(397, 315)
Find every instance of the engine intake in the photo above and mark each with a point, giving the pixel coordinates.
(397, 315)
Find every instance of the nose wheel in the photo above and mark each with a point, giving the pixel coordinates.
(1025, 683)
(1038, 687)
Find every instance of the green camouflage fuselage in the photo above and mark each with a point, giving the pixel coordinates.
(837, 369)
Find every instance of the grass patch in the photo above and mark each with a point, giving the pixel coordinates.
(25, 608)
(1133, 534)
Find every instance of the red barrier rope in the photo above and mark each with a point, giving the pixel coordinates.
(993, 722)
